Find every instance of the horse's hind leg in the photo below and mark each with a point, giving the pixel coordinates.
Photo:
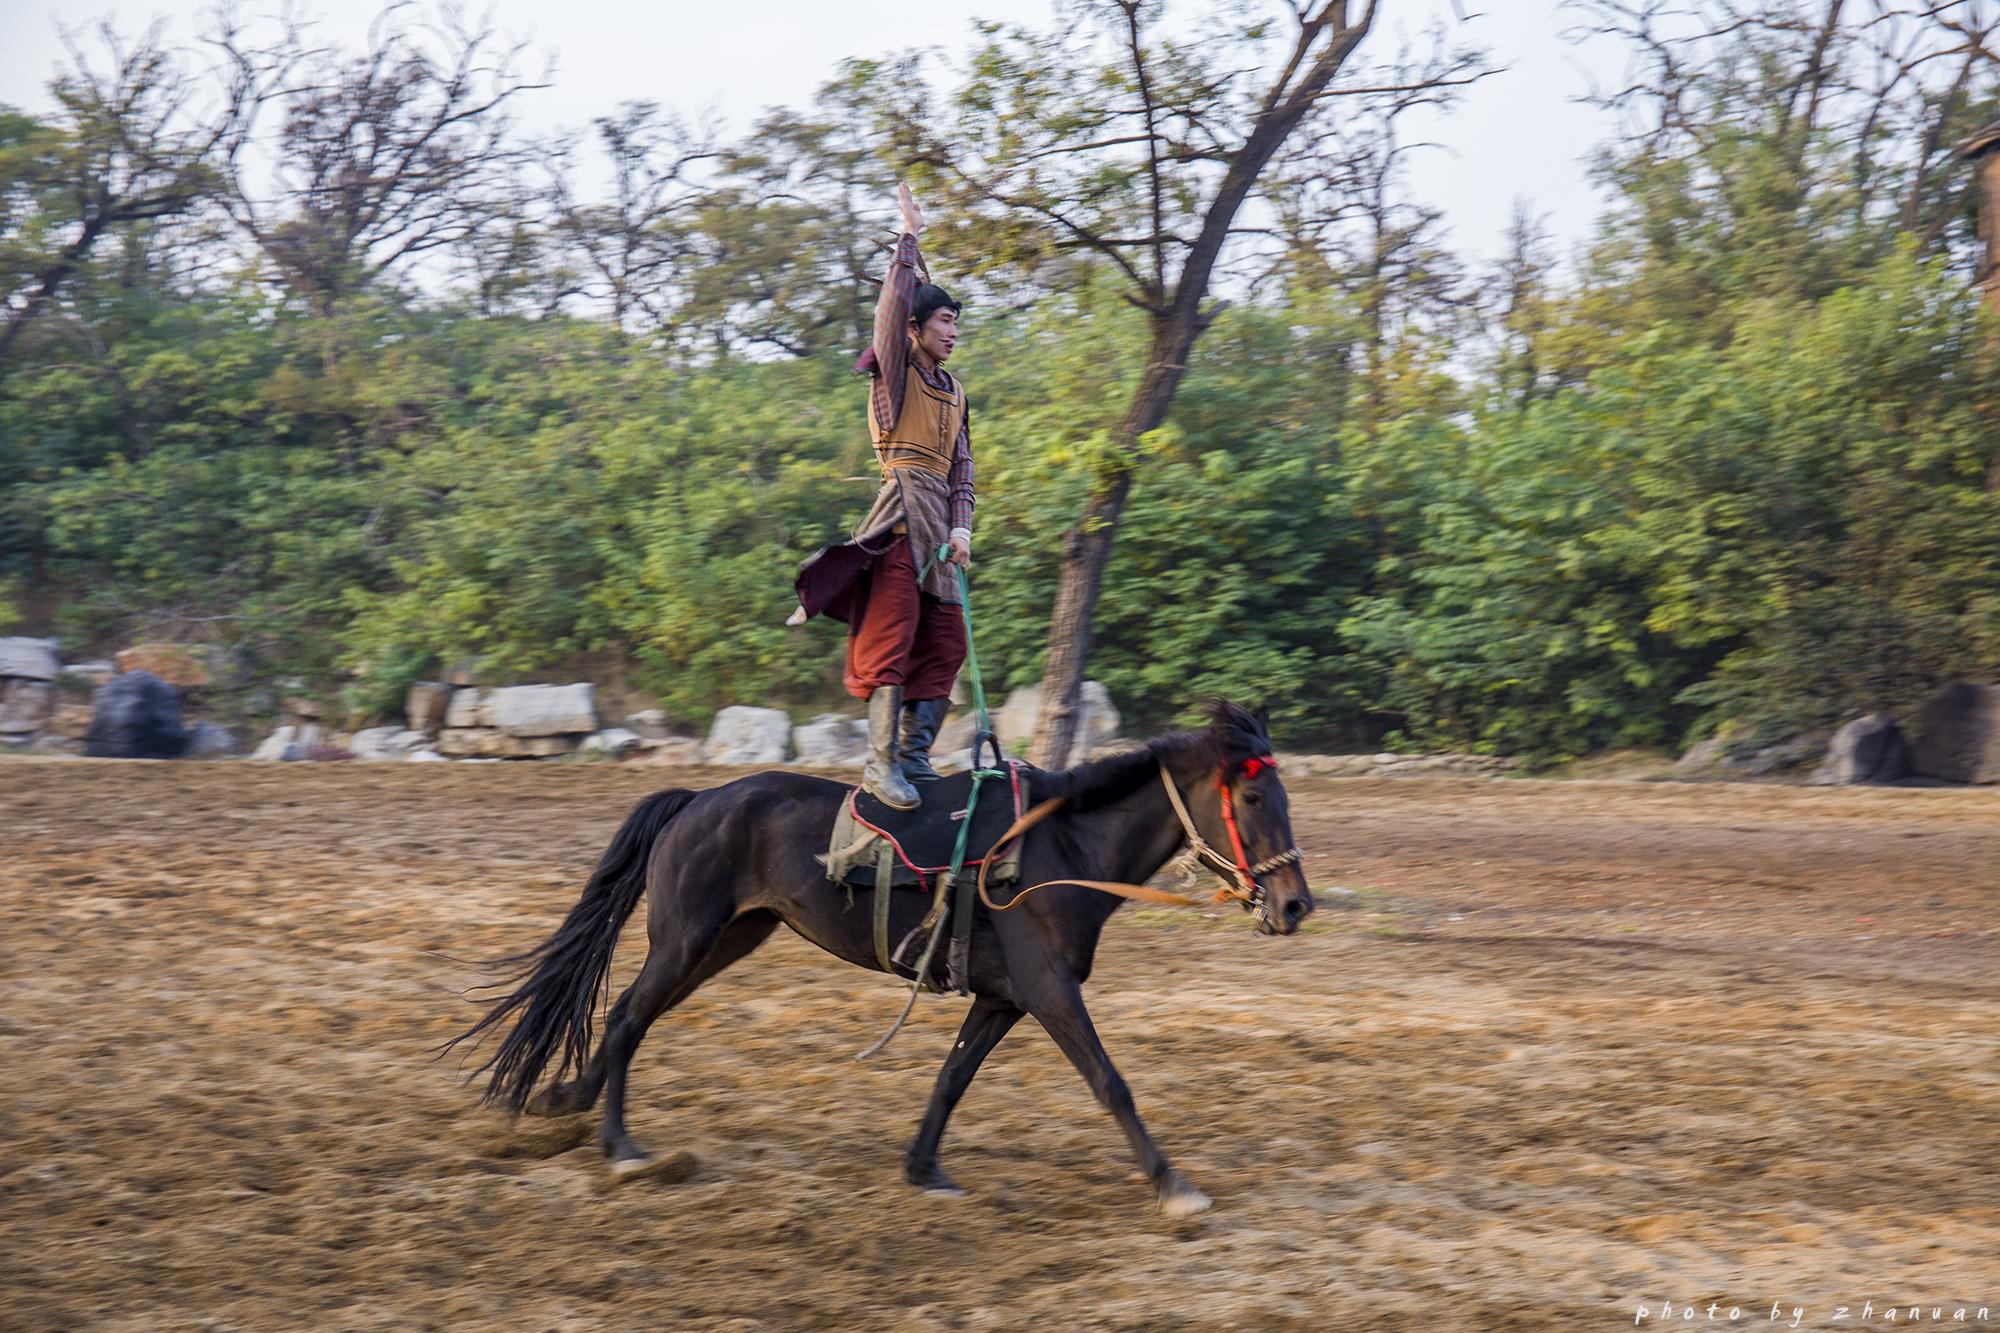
(580, 1093)
(673, 970)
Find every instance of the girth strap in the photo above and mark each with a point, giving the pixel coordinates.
(885, 868)
(959, 957)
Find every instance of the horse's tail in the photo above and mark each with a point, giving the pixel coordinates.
(568, 975)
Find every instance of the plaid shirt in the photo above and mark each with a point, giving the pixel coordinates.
(891, 358)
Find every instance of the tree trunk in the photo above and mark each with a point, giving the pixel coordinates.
(1087, 549)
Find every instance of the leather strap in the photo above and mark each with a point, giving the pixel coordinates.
(1137, 892)
(885, 869)
(958, 957)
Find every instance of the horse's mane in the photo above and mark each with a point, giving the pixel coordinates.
(1232, 732)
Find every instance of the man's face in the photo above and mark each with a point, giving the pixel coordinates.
(938, 334)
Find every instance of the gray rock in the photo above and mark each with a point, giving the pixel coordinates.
(1703, 756)
(1868, 749)
(1728, 757)
(375, 744)
(29, 659)
(744, 735)
(469, 708)
(830, 741)
(427, 757)
(492, 743)
(206, 740)
(136, 716)
(1957, 735)
(26, 707)
(1097, 720)
(650, 723)
(280, 745)
(1785, 754)
(93, 673)
(680, 751)
(424, 706)
(611, 740)
(56, 746)
(956, 733)
(546, 710)
(463, 673)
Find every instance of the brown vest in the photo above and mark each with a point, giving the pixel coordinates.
(925, 434)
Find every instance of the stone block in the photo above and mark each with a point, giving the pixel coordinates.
(28, 659)
(744, 735)
(425, 704)
(468, 708)
(611, 741)
(545, 710)
(492, 743)
(26, 707)
(830, 740)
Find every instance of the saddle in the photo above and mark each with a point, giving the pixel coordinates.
(920, 841)
(879, 848)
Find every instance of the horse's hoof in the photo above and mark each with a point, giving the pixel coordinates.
(1180, 1199)
(935, 1181)
(669, 1170)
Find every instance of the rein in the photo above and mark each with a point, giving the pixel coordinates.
(1245, 889)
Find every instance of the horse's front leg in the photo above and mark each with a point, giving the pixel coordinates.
(985, 1024)
(1059, 1008)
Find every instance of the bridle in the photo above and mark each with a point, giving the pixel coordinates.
(1241, 877)
(1247, 889)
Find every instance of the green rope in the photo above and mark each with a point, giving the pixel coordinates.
(981, 734)
(972, 669)
(985, 727)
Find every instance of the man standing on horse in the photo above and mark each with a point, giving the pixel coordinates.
(895, 583)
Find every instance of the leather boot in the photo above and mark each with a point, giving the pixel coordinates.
(921, 721)
(882, 777)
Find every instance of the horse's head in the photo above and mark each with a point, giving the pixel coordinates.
(1256, 819)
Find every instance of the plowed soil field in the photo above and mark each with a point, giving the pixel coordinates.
(1570, 1049)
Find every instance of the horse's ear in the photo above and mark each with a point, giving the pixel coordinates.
(1263, 719)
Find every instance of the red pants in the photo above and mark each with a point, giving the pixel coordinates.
(904, 636)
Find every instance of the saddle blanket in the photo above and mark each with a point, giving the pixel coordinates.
(923, 838)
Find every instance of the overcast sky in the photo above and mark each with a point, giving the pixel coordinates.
(1520, 135)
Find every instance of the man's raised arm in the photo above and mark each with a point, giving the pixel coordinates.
(892, 316)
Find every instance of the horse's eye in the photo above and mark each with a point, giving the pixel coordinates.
(1252, 798)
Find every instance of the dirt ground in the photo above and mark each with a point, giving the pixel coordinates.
(1573, 1048)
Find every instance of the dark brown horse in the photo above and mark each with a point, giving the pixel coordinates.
(721, 868)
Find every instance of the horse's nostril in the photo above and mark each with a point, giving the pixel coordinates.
(1296, 909)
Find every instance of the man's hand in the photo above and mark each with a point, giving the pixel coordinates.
(913, 217)
(961, 552)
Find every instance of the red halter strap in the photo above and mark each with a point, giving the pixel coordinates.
(1251, 768)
